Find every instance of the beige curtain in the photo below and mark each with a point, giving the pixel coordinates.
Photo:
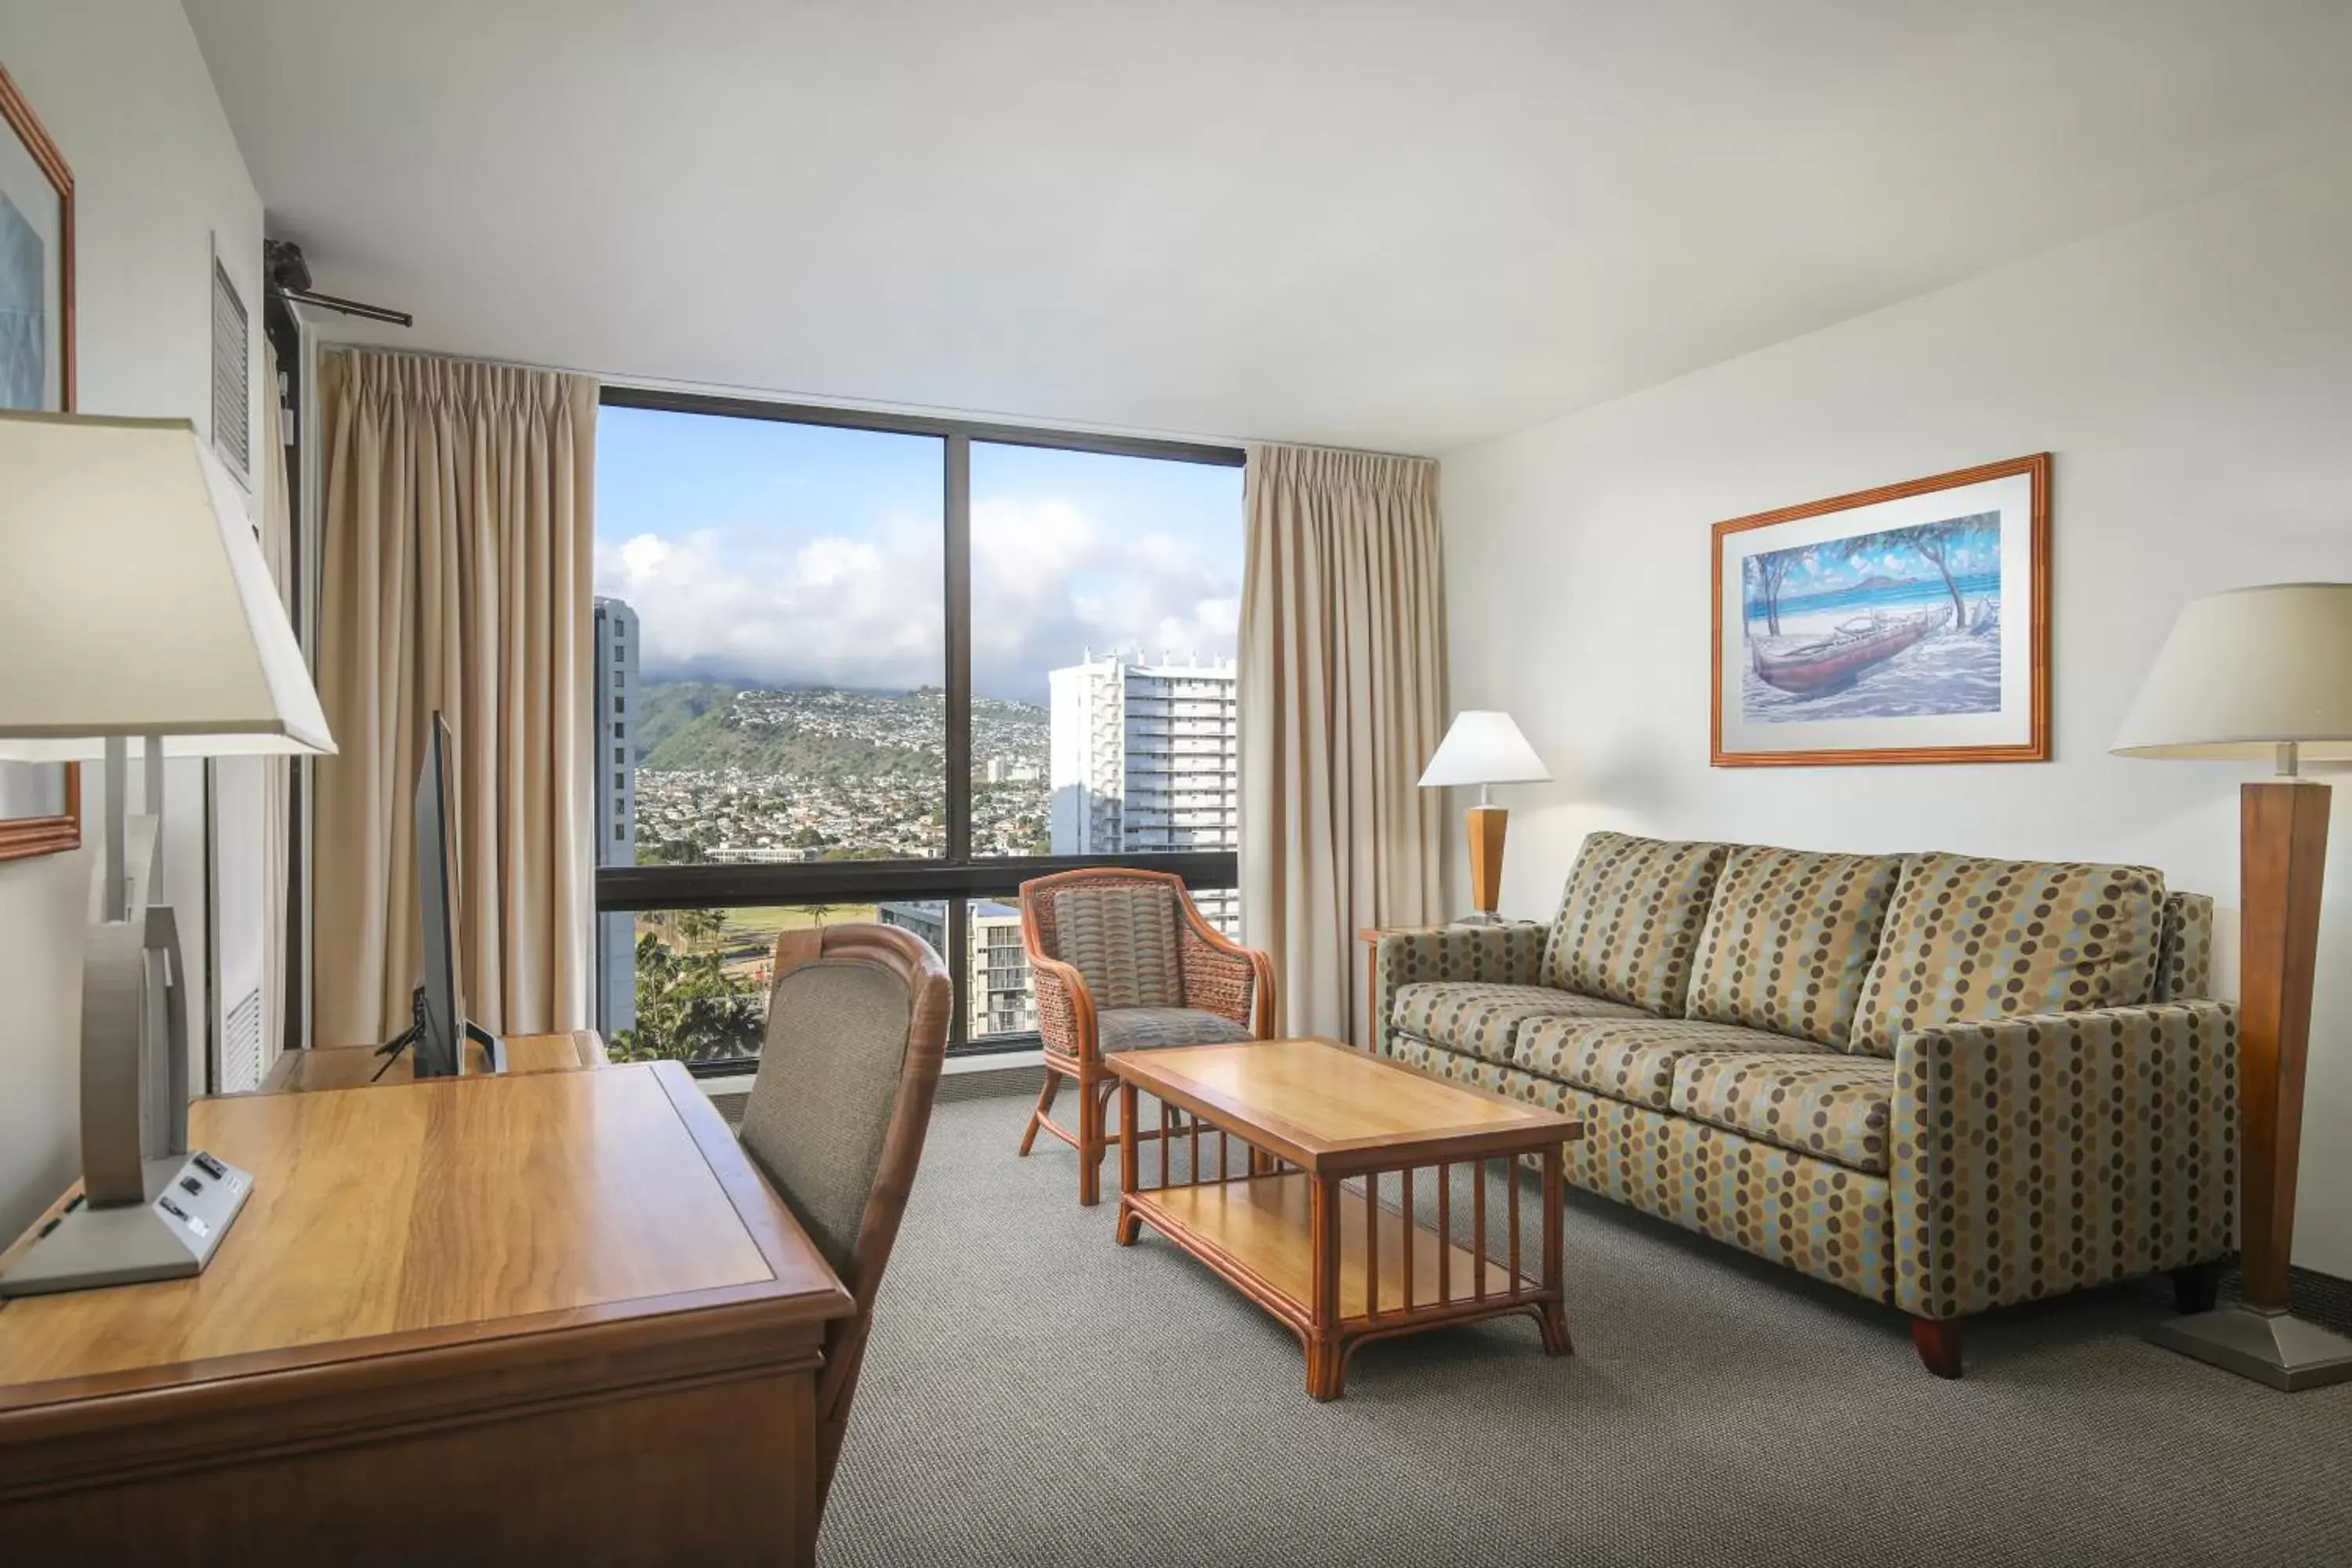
(457, 556)
(277, 772)
(1342, 701)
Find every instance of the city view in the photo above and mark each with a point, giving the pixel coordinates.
(741, 720)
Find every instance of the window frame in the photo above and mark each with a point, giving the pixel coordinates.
(957, 875)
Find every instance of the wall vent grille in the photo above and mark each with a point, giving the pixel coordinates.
(241, 1045)
(232, 375)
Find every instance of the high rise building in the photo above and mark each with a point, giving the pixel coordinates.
(615, 774)
(997, 994)
(1143, 760)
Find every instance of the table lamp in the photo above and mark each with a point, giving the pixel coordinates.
(2263, 672)
(136, 617)
(1483, 747)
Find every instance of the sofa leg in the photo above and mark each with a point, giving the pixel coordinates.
(2197, 1288)
(1938, 1344)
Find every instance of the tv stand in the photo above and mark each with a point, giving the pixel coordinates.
(494, 1049)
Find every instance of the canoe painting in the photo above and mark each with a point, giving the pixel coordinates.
(1902, 622)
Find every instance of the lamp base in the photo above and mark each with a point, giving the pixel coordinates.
(2272, 1347)
(192, 1200)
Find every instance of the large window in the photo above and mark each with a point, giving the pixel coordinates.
(867, 667)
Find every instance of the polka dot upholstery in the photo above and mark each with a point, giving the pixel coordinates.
(2031, 1096)
(1788, 939)
(1970, 940)
(1629, 922)
(1814, 1103)
(2184, 965)
(1485, 1020)
(2039, 1155)
(1635, 1061)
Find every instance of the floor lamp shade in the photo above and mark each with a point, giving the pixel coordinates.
(1483, 747)
(2263, 672)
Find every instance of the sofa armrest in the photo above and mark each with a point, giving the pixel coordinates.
(2045, 1154)
(1497, 955)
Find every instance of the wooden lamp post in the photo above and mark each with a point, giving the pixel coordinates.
(1485, 748)
(2263, 672)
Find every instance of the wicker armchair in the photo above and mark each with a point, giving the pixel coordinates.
(1120, 961)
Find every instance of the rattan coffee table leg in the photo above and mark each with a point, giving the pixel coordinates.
(1326, 1356)
(1553, 1317)
(1130, 1168)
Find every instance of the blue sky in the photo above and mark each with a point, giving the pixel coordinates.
(787, 554)
(1840, 563)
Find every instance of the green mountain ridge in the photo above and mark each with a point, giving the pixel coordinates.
(704, 726)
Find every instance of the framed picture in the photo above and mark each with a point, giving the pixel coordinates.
(1908, 624)
(40, 802)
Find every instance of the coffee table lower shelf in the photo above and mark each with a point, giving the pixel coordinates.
(1261, 1233)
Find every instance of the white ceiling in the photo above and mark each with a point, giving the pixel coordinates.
(1404, 226)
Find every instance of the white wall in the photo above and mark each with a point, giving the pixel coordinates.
(157, 178)
(2193, 375)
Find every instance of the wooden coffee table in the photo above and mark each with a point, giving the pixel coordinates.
(1331, 1136)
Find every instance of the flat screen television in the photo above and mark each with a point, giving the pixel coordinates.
(441, 1029)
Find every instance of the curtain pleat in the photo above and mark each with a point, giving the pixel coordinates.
(459, 544)
(1342, 700)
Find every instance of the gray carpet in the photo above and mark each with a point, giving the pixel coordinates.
(1035, 1394)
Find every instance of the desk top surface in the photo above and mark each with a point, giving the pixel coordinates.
(430, 1215)
(355, 1066)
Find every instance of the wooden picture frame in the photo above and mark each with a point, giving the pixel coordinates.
(24, 837)
(1923, 675)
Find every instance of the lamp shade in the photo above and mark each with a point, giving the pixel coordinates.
(1483, 747)
(2247, 670)
(134, 600)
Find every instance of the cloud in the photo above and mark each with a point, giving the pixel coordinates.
(1049, 583)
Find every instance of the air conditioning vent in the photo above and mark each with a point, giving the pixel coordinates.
(231, 376)
(240, 1058)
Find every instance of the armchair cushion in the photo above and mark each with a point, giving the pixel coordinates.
(1970, 940)
(1811, 1101)
(1629, 924)
(2037, 1155)
(1788, 939)
(1122, 937)
(1483, 1020)
(1145, 1028)
(1635, 1059)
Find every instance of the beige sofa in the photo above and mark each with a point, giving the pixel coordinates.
(1945, 1083)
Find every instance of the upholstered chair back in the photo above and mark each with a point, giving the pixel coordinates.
(1121, 936)
(857, 1027)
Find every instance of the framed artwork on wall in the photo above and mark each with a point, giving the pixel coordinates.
(1907, 624)
(40, 802)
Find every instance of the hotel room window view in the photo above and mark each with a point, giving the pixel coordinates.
(1234, 783)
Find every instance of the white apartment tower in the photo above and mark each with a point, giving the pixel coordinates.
(615, 774)
(1143, 760)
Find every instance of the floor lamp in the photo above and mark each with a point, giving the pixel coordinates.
(2263, 672)
(136, 617)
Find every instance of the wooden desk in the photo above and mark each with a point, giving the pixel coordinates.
(354, 1067)
(532, 1317)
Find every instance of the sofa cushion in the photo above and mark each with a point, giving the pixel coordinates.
(1146, 1028)
(1629, 923)
(1788, 939)
(1972, 940)
(1482, 1018)
(1814, 1103)
(1635, 1059)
